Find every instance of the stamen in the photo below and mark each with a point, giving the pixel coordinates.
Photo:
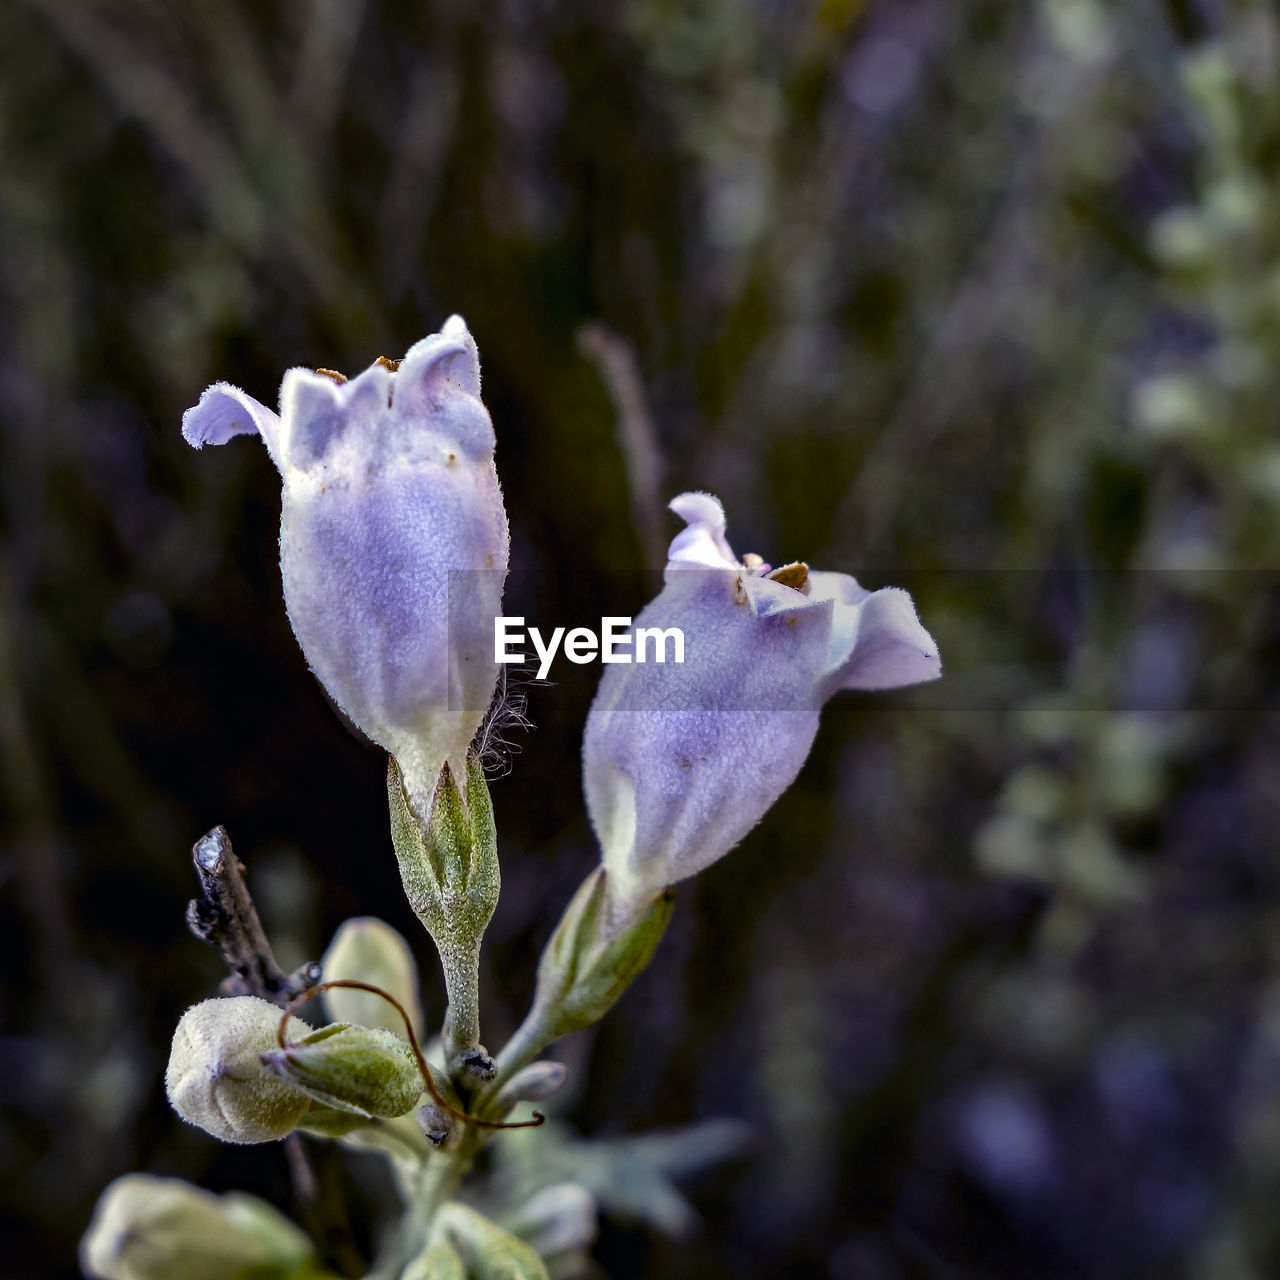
(794, 575)
(339, 378)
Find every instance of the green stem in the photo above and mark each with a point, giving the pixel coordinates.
(440, 1176)
(461, 967)
(530, 1038)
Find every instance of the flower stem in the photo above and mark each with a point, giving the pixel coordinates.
(461, 967)
(529, 1040)
(439, 1178)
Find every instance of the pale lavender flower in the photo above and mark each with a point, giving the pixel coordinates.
(389, 486)
(680, 761)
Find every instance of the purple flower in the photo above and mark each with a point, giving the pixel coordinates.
(389, 491)
(681, 760)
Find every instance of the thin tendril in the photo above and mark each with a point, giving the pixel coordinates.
(352, 984)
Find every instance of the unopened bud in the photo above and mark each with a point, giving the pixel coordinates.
(534, 1083)
(367, 949)
(215, 1079)
(365, 1070)
(477, 1065)
(436, 1123)
(147, 1228)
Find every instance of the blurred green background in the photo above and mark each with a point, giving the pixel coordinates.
(979, 298)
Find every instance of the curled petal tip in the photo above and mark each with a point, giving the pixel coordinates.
(892, 648)
(446, 361)
(702, 545)
(224, 411)
(696, 507)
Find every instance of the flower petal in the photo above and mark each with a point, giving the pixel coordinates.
(439, 382)
(681, 760)
(890, 648)
(224, 411)
(319, 412)
(446, 362)
(842, 590)
(703, 544)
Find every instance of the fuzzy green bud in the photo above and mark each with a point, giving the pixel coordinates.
(436, 1124)
(594, 955)
(215, 1079)
(368, 1071)
(449, 867)
(367, 949)
(147, 1228)
(534, 1083)
(490, 1253)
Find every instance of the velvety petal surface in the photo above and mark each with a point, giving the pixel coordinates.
(889, 646)
(223, 412)
(682, 760)
(393, 540)
(702, 545)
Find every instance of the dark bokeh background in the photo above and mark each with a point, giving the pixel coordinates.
(979, 297)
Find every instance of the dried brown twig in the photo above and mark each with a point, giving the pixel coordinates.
(225, 917)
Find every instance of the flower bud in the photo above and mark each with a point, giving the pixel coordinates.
(593, 956)
(449, 867)
(365, 1070)
(369, 950)
(534, 1083)
(436, 1124)
(489, 1252)
(393, 539)
(147, 1228)
(215, 1079)
(681, 760)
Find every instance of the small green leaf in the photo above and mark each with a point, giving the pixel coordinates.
(489, 1252)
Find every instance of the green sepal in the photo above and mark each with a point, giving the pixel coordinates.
(368, 1071)
(449, 862)
(593, 957)
(449, 867)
